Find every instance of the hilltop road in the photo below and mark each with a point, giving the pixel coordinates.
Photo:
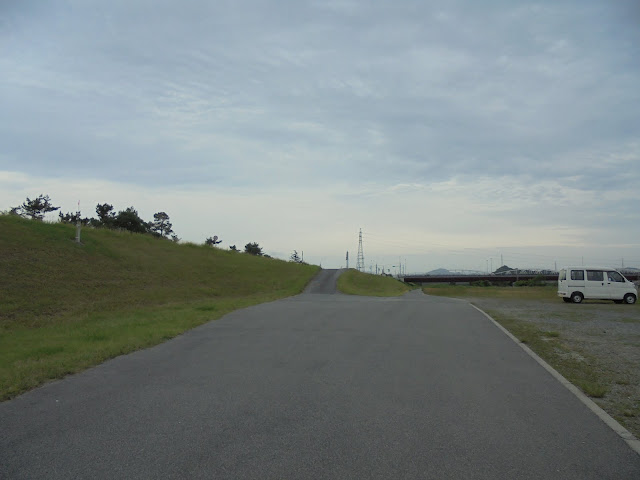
(321, 386)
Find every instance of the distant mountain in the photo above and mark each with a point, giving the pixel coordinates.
(439, 271)
(504, 269)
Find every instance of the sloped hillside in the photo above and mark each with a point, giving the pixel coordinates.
(65, 306)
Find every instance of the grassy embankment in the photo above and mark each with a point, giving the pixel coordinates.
(353, 282)
(65, 307)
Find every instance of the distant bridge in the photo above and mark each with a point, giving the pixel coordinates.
(475, 278)
(511, 278)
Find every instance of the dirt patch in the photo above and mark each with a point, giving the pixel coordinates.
(603, 336)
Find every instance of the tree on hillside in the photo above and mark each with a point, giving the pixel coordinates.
(36, 208)
(253, 249)
(106, 216)
(212, 241)
(161, 226)
(233, 248)
(73, 218)
(130, 220)
(295, 257)
(175, 238)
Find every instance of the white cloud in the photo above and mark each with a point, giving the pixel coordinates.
(438, 127)
(429, 221)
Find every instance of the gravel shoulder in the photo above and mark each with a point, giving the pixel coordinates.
(599, 337)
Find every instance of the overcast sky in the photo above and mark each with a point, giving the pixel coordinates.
(451, 132)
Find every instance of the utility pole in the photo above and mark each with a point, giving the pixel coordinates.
(78, 225)
(347, 260)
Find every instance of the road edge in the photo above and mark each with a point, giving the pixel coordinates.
(622, 432)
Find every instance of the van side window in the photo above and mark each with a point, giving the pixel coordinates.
(563, 275)
(615, 277)
(577, 274)
(595, 275)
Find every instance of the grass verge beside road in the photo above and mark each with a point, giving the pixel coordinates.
(547, 293)
(353, 282)
(65, 307)
(595, 345)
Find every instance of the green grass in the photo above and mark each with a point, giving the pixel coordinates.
(353, 282)
(548, 292)
(65, 307)
(550, 333)
(574, 366)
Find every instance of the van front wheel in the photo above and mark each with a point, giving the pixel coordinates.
(630, 298)
(577, 297)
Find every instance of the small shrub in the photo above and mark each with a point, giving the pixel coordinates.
(551, 334)
(593, 389)
(537, 281)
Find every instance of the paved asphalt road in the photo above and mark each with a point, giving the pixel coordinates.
(320, 385)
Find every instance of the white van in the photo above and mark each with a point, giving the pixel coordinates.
(578, 283)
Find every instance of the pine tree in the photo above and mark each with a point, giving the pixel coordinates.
(161, 226)
(36, 208)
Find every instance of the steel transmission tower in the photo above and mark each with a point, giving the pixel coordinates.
(360, 260)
